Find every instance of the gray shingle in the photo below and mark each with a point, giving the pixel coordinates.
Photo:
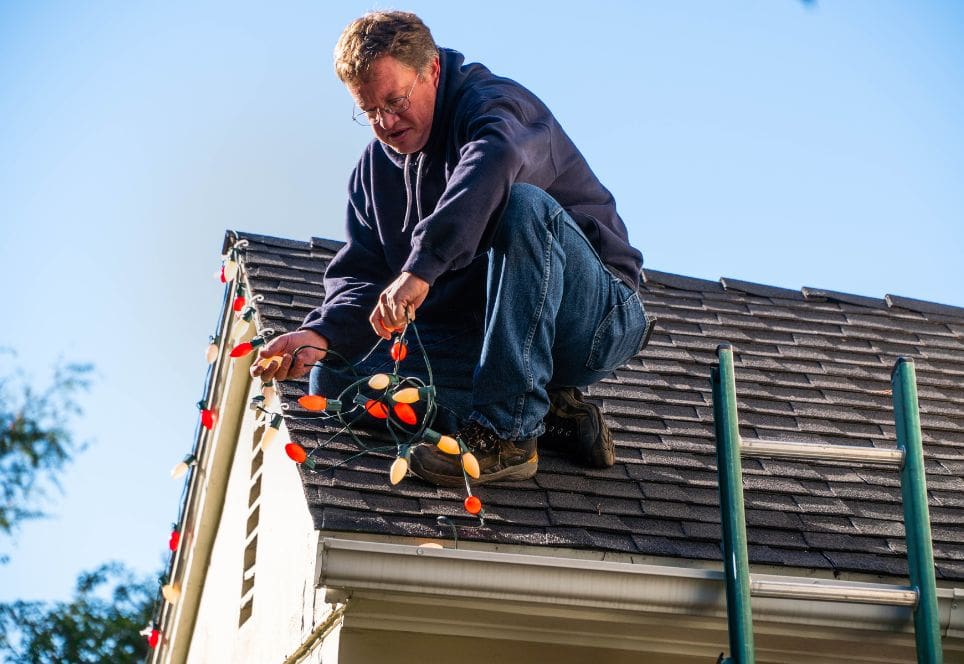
(868, 562)
(923, 306)
(815, 505)
(761, 290)
(810, 366)
(834, 296)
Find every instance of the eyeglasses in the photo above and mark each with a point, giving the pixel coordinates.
(391, 107)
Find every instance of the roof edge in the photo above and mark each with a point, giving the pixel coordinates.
(686, 283)
(763, 290)
(811, 293)
(326, 244)
(681, 282)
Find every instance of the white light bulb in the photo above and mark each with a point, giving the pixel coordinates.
(171, 592)
(230, 269)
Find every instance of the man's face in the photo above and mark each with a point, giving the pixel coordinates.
(407, 131)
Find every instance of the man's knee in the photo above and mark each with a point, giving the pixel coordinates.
(527, 198)
(527, 208)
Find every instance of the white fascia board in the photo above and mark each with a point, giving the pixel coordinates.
(348, 566)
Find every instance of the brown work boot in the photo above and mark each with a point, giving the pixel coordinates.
(577, 427)
(499, 460)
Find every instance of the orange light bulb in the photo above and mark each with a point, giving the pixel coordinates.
(313, 402)
(448, 445)
(267, 362)
(471, 465)
(473, 505)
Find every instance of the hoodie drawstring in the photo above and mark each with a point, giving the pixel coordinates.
(408, 190)
(408, 193)
(418, 185)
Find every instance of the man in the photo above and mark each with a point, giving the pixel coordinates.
(473, 210)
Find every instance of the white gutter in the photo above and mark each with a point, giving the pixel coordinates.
(348, 565)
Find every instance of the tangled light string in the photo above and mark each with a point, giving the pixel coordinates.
(387, 397)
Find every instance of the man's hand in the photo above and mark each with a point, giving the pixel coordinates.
(397, 304)
(288, 366)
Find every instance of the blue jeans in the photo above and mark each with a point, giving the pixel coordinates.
(555, 317)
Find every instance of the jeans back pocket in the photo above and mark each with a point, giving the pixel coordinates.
(620, 335)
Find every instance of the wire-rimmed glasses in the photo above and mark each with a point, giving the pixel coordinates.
(391, 107)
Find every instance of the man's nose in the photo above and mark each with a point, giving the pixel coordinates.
(387, 120)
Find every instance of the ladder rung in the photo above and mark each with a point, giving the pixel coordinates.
(834, 591)
(821, 451)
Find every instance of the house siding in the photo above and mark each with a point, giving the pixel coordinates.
(284, 605)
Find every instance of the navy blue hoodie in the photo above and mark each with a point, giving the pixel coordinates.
(433, 213)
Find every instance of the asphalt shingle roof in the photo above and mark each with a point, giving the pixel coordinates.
(811, 365)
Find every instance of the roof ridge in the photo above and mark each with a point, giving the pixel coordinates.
(688, 283)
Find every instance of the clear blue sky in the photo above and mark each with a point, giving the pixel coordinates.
(779, 142)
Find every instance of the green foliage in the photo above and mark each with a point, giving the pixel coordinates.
(101, 623)
(35, 443)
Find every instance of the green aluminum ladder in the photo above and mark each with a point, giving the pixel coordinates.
(908, 457)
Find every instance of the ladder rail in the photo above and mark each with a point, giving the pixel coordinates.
(917, 524)
(921, 595)
(736, 564)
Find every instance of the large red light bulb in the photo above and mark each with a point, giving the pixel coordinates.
(405, 413)
(242, 349)
(296, 452)
(208, 418)
(376, 409)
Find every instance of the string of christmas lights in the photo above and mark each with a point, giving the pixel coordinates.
(169, 589)
(387, 397)
(405, 406)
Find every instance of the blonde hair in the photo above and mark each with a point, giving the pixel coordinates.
(401, 35)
